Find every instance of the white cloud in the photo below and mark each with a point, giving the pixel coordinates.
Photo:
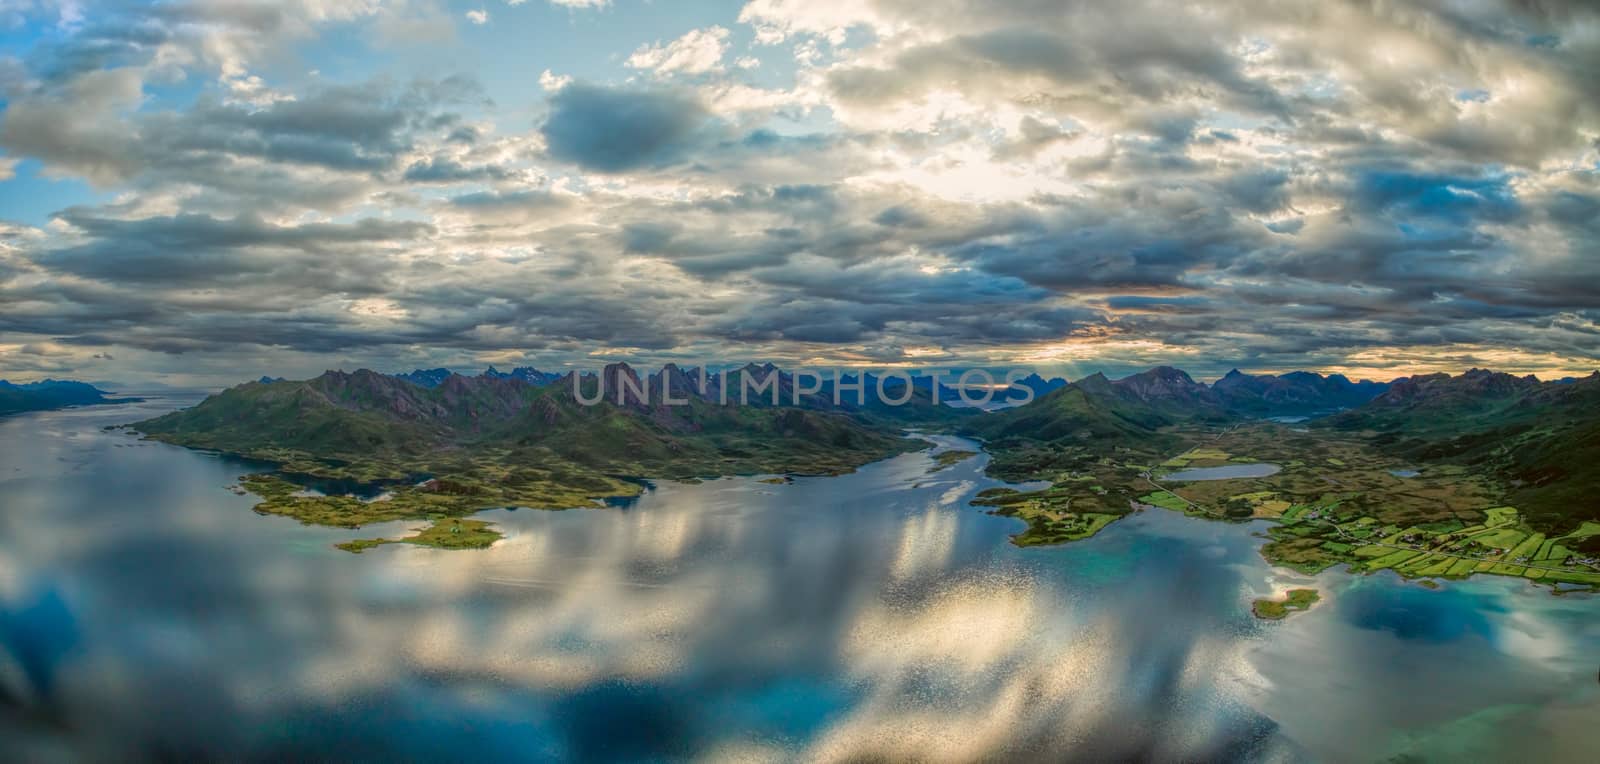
(573, 3)
(251, 90)
(699, 51)
(551, 81)
(479, 16)
(777, 20)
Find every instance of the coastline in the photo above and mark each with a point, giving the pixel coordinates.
(461, 485)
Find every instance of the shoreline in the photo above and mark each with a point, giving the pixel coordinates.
(446, 496)
(1048, 513)
(1052, 520)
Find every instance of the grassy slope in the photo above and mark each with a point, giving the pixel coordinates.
(1543, 442)
(1088, 443)
(1067, 429)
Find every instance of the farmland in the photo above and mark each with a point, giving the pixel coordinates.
(1335, 501)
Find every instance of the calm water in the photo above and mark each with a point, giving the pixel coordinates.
(1224, 472)
(143, 607)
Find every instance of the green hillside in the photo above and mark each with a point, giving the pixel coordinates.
(1540, 439)
(1068, 429)
(471, 443)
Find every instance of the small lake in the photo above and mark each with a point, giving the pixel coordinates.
(147, 613)
(1225, 472)
(1404, 473)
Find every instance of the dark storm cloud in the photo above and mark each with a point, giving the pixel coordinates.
(614, 130)
(524, 204)
(1193, 304)
(1576, 210)
(446, 170)
(1134, 240)
(197, 249)
(900, 217)
(347, 128)
(647, 238)
(1261, 190)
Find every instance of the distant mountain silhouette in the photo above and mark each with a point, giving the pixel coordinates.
(50, 394)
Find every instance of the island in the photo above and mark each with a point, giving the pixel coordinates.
(946, 459)
(1294, 600)
(442, 451)
(445, 533)
(1050, 513)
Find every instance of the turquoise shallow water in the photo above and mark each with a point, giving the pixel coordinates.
(144, 608)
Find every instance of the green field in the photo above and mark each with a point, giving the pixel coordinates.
(1293, 601)
(1165, 500)
(1335, 501)
(1392, 559)
(446, 533)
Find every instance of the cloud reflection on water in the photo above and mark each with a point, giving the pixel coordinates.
(827, 619)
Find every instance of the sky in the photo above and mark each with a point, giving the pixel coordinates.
(205, 192)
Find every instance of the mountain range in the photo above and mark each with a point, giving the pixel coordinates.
(390, 424)
(1540, 439)
(1297, 392)
(681, 383)
(50, 394)
(1097, 406)
(436, 377)
(429, 408)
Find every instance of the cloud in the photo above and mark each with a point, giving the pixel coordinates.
(77, 130)
(697, 52)
(965, 181)
(197, 249)
(447, 170)
(478, 17)
(778, 20)
(319, 148)
(614, 130)
(550, 81)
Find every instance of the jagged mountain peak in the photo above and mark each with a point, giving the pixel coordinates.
(1161, 372)
(1165, 384)
(425, 377)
